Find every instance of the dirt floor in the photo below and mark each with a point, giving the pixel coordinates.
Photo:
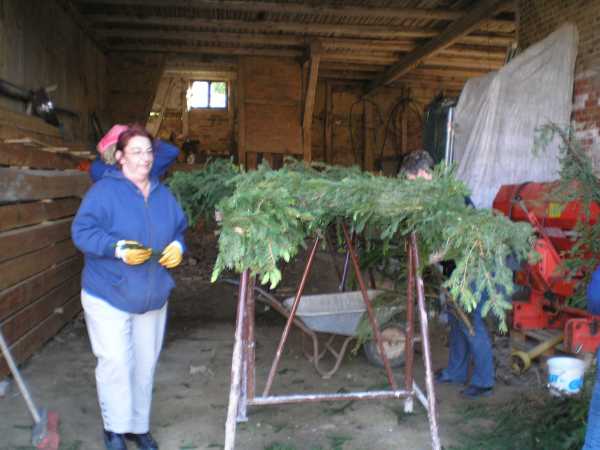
(192, 381)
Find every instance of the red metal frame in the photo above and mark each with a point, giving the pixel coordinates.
(242, 389)
(546, 285)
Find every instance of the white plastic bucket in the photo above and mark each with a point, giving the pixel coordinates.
(565, 375)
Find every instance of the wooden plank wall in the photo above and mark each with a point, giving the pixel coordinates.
(40, 269)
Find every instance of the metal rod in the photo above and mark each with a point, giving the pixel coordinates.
(372, 318)
(20, 382)
(409, 349)
(236, 366)
(431, 410)
(342, 286)
(251, 343)
(313, 398)
(288, 324)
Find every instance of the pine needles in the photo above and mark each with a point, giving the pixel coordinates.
(270, 214)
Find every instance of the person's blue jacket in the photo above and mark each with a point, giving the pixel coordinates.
(114, 209)
(593, 293)
(164, 155)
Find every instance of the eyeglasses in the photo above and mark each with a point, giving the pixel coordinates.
(139, 153)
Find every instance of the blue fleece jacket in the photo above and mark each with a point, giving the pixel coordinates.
(593, 293)
(164, 155)
(115, 209)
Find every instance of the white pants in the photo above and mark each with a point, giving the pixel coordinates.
(127, 347)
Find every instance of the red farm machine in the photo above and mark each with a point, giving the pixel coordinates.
(540, 302)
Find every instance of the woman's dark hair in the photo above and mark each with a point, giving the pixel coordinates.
(415, 161)
(133, 130)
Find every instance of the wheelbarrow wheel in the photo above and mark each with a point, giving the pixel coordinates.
(394, 339)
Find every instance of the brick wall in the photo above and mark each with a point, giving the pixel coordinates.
(537, 19)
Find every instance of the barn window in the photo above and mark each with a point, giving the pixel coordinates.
(207, 94)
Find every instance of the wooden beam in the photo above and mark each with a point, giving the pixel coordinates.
(206, 50)
(295, 8)
(328, 128)
(371, 31)
(24, 240)
(309, 100)
(31, 213)
(452, 34)
(17, 185)
(369, 137)
(154, 127)
(81, 22)
(241, 116)
(31, 289)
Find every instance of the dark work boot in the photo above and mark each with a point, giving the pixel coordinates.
(114, 441)
(144, 441)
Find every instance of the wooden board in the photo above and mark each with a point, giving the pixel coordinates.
(26, 122)
(23, 156)
(18, 269)
(273, 129)
(23, 214)
(24, 240)
(26, 292)
(24, 320)
(46, 330)
(22, 184)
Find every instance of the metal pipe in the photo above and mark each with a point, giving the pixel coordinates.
(236, 366)
(431, 410)
(372, 318)
(288, 324)
(320, 397)
(409, 348)
(251, 340)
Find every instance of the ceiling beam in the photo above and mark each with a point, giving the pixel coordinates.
(452, 34)
(81, 22)
(306, 9)
(323, 30)
(220, 51)
(329, 44)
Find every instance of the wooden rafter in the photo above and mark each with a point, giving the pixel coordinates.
(451, 35)
(364, 31)
(307, 9)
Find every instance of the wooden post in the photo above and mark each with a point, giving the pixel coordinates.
(185, 114)
(369, 155)
(241, 98)
(309, 103)
(328, 141)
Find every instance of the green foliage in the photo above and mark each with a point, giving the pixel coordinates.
(271, 213)
(535, 421)
(199, 191)
(577, 182)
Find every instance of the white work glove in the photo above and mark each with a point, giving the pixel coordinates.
(171, 255)
(132, 252)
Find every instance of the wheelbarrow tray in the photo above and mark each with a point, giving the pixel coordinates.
(337, 313)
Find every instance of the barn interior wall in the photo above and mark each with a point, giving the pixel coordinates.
(273, 101)
(539, 18)
(42, 46)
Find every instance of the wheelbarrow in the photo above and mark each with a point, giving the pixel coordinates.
(325, 318)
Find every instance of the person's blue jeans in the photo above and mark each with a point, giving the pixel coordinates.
(592, 433)
(478, 348)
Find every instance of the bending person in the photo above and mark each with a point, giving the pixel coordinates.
(464, 347)
(126, 218)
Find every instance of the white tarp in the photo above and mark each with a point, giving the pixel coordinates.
(497, 115)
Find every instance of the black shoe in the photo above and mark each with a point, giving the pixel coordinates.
(476, 392)
(144, 441)
(441, 378)
(114, 441)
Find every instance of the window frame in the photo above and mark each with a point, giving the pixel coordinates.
(210, 81)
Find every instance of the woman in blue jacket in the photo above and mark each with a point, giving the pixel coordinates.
(592, 434)
(125, 219)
